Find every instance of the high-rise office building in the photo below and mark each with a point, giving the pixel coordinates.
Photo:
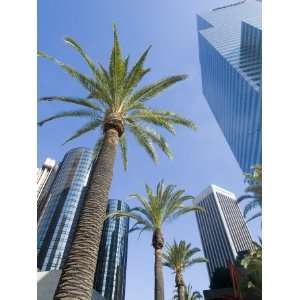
(230, 57)
(59, 219)
(45, 178)
(223, 230)
(110, 275)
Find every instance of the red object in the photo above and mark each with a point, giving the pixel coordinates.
(235, 282)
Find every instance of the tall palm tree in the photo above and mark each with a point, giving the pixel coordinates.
(178, 257)
(189, 294)
(254, 192)
(165, 204)
(114, 107)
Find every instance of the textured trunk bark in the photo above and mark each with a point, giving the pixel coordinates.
(158, 243)
(76, 281)
(180, 285)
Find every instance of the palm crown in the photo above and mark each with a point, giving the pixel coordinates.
(189, 294)
(165, 204)
(114, 101)
(180, 256)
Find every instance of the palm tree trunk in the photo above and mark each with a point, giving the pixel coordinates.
(180, 285)
(158, 243)
(76, 281)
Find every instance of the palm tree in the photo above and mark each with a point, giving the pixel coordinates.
(189, 294)
(251, 281)
(254, 192)
(114, 106)
(178, 257)
(165, 204)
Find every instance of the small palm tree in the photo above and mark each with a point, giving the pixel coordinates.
(251, 282)
(254, 192)
(189, 294)
(165, 204)
(114, 107)
(178, 257)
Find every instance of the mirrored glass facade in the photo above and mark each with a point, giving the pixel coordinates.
(60, 216)
(110, 276)
(223, 230)
(230, 57)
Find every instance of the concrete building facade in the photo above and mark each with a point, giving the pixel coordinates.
(45, 177)
(223, 230)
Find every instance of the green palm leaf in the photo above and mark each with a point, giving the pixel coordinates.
(154, 89)
(254, 192)
(143, 140)
(123, 146)
(92, 86)
(90, 63)
(137, 72)
(77, 101)
(69, 113)
(84, 129)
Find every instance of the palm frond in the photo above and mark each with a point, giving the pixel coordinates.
(92, 86)
(140, 229)
(78, 101)
(156, 88)
(159, 140)
(142, 200)
(177, 119)
(77, 47)
(244, 197)
(250, 206)
(85, 129)
(69, 113)
(117, 65)
(147, 116)
(255, 216)
(143, 140)
(137, 72)
(196, 261)
(123, 146)
(184, 210)
(139, 219)
(146, 214)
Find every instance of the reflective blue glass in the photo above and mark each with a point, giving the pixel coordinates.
(59, 219)
(110, 275)
(230, 57)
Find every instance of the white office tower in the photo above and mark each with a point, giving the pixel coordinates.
(45, 178)
(223, 230)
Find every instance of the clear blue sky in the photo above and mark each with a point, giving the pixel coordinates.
(201, 157)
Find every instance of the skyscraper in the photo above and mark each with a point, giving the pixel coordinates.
(60, 216)
(45, 178)
(110, 275)
(230, 57)
(222, 228)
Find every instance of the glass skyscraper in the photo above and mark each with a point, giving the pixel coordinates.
(110, 275)
(60, 216)
(230, 57)
(223, 230)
